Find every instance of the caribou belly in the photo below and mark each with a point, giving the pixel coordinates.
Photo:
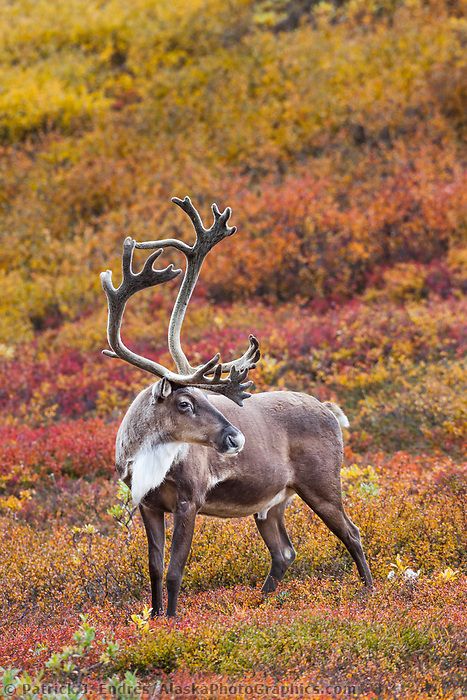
(239, 504)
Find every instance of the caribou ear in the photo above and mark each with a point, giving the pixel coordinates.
(161, 390)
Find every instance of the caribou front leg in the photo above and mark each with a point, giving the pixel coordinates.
(184, 525)
(155, 530)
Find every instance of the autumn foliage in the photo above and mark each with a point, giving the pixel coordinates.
(335, 132)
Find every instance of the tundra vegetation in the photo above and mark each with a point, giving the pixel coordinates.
(335, 132)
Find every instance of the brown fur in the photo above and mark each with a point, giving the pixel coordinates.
(293, 445)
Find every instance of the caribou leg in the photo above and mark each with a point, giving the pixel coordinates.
(155, 530)
(184, 525)
(272, 530)
(333, 515)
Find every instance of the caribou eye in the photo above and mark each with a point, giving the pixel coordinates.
(185, 406)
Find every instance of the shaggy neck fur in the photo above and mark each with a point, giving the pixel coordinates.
(150, 467)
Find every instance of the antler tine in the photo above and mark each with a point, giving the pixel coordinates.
(188, 208)
(232, 386)
(248, 360)
(221, 218)
(206, 239)
(118, 297)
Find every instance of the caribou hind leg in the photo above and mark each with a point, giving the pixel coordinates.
(272, 530)
(332, 513)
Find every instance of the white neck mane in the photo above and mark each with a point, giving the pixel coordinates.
(150, 467)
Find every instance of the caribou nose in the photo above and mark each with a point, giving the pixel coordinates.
(234, 441)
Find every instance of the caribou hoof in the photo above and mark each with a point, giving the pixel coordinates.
(365, 592)
(269, 585)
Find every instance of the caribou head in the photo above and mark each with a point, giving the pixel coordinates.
(184, 414)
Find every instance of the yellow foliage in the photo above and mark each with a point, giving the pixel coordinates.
(448, 575)
(15, 503)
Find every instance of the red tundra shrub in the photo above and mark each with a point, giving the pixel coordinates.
(78, 448)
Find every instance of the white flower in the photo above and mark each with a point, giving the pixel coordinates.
(411, 575)
(391, 575)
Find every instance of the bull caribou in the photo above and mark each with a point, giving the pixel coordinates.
(187, 445)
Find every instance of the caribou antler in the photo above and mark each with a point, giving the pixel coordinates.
(233, 386)
(206, 239)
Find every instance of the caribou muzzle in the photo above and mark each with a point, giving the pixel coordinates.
(231, 441)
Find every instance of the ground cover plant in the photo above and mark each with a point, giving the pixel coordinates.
(335, 131)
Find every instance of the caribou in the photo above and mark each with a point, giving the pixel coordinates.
(187, 445)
